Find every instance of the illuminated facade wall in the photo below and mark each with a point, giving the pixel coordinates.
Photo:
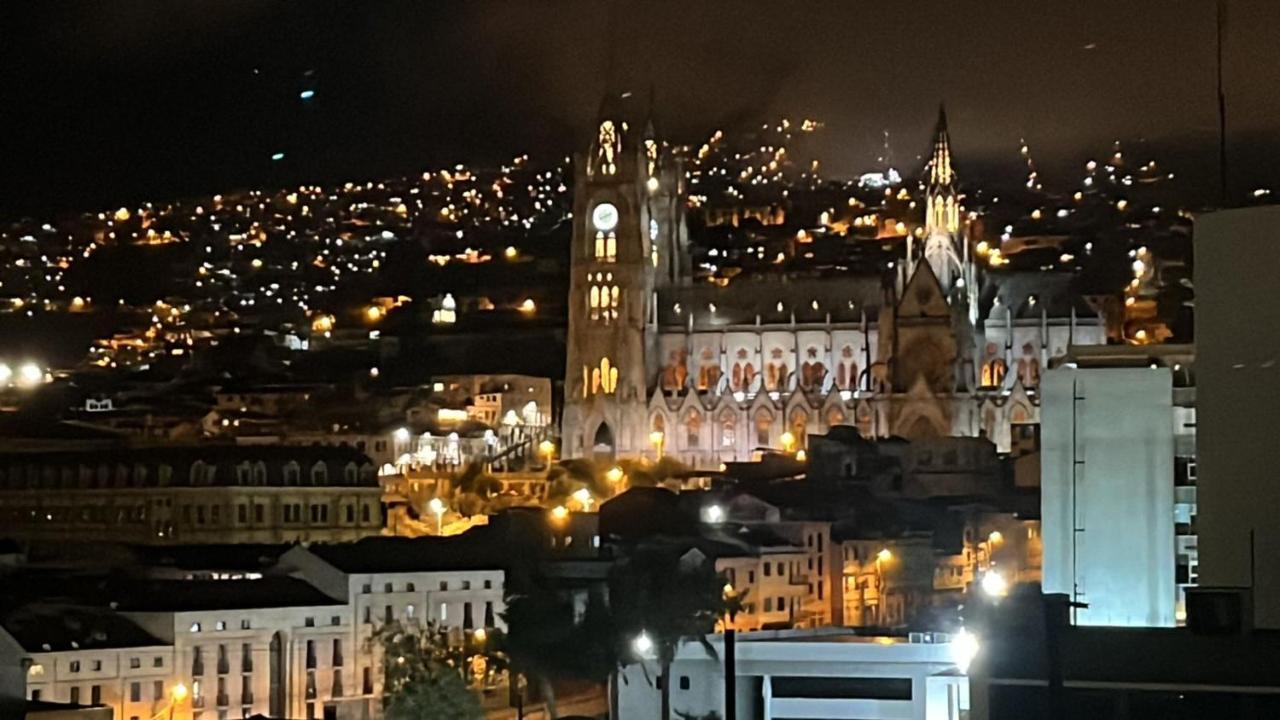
(1107, 497)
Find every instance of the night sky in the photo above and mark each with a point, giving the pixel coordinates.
(122, 100)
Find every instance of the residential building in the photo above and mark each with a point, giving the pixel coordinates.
(190, 494)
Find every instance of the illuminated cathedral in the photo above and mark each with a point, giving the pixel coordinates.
(660, 365)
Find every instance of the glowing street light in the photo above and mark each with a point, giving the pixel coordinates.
(655, 438)
(642, 644)
(437, 506)
(713, 514)
(885, 555)
(583, 496)
(6, 373)
(788, 440)
(177, 694)
(996, 537)
(547, 448)
(559, 513)
(964, 648)
(614, 474)
(994, 585)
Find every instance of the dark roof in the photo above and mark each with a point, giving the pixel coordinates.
(192, 595)
(211, 557)
(472, 550)
(56, 627)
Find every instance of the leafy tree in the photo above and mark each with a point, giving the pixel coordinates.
(671, 594)
(425, 676)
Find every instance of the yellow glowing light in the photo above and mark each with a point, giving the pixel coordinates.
(652, 184)
(510, 253)
(614, 474)
(528, 307)
(546, 447)
(884, 555)
(801, 456)
(374, 313)
(656, 437)
(481, 635)
(322, 323)
(559, 512)
(788, 440)
(122, 214)
(996, 537)
(178, 693)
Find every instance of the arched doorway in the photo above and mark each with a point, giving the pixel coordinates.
(277, 694)
(602, 448)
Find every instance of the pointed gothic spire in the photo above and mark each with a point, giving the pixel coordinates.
(940, 173)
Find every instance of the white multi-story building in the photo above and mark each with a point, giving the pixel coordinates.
(281, 646)
(805, 674)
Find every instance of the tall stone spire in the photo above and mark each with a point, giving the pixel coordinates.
(942, 211)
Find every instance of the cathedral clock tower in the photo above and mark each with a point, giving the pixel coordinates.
(629, 238)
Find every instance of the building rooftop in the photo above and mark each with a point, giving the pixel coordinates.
(196, 595)
(473, 550)
(56, 627)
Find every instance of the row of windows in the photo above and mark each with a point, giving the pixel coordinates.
(602, 300)
(34, 476)
(96, 665)
(410, 613)
(411, 587)
(189, 514)
(602, 379)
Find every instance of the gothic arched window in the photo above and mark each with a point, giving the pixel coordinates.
(728, 429)
(693, 430)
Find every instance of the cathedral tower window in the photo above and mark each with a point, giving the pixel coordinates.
(602, 300)
(604, 379)
(609, 146)
(606, 246)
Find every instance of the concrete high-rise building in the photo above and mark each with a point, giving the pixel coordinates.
(1107, 493)
(1238, 380)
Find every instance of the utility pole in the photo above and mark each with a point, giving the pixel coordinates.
(730, 675)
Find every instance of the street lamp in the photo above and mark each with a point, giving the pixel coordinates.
(559, 513)
(642, 644)
(656, 437)
(177, 694)
(788, 440)
(713, 514)
(547, 448)
(994, 585)
(437, 506)
(614, 474)
(583, 496)
(964, 648)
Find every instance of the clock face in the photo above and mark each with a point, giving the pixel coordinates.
(604, 217)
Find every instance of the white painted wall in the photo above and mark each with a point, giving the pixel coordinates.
(1108, 533)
